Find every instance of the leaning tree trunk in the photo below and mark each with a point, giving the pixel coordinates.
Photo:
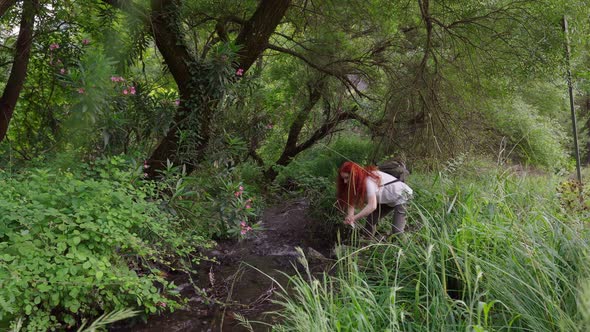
(165, 22)
(18, 72)
(253, 40)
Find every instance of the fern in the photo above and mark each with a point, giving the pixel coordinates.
(5, 306)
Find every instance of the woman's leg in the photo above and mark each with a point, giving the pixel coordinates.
(399, 219)
(373, 218)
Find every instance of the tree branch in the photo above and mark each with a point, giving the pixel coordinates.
(328, 127)
(5, 5)
(291, 149)
(340, 76)
(257, 30)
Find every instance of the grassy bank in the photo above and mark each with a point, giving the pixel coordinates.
(492, 250)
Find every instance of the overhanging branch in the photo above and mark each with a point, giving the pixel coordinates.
(340, 76)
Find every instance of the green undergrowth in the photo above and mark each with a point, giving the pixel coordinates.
(489, 250)
(80, 242)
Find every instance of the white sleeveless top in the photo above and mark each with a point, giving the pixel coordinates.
(391, 194)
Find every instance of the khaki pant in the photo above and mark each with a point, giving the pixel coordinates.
(399, 218)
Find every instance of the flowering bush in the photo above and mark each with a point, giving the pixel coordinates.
(238, 212)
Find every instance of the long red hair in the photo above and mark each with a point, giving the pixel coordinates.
(354, 192)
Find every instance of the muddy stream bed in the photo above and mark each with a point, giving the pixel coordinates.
(233, 281)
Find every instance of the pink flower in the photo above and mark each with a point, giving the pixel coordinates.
(114, 79)
(53, 46)
(85, 41)
(81, 90)
(161, 304)
(177, 102)
(240, 72)
(241, 188)
(132, 90)
(248, 228)
(237, 193)
(62, 71)
(125, 91)
(248, 206)
(243, 223)
(243, 231)
(145, 175)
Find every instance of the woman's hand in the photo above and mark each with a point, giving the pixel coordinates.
(349, 220)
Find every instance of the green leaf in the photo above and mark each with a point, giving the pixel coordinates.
(76, 240)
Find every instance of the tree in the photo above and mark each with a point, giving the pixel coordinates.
(22, 53)
(198, 98)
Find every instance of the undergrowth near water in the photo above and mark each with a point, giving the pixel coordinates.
(489, 250)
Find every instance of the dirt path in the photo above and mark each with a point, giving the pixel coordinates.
(233, 281)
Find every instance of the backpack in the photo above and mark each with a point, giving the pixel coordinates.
(395, 168)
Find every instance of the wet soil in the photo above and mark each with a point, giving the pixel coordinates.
(240, 282)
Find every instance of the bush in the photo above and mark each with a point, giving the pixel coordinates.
(218, 200)
(73, 247)
(532, 138)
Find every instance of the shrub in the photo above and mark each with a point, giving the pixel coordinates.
(216, 200)
(73, 247)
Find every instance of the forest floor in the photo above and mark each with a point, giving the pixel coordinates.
(239, 279)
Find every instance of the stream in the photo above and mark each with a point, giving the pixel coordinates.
(242, 276)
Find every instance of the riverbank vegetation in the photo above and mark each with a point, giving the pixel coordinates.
(135, 134)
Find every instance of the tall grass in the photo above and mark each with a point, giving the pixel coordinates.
(494, 251)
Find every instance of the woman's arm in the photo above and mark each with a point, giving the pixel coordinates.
(370, 207)
(350, 211)
(349, 219)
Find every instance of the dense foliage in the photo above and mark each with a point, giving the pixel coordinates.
(134, 132)
(78, 243)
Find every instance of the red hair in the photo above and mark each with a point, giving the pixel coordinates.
(354, 192)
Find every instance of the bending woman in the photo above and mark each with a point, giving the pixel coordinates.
(376, 193)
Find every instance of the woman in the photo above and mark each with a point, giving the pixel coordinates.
(378, 194)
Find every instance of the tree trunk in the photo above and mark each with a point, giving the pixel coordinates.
(253, 39)
(255, 33)
(18, 72)
(164, 21)
(291, 148)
